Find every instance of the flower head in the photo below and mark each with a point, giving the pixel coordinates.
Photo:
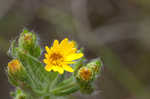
(14, 66)
(60, 55)
(85, 73)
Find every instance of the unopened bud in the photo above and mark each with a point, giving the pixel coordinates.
(14, 66)
(85, 74)
(16, 73)
(84, 78)
(28, 43)
(95, 65)
(28, 38)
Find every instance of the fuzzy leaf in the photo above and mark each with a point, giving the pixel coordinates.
(66, 89)
(39, 78)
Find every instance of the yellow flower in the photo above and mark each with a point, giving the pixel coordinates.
(14, 66)
(60, 55)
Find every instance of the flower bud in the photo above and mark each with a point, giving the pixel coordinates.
(14, 66)
(84, 78)
(28, 43)
(85, 74)
(28, 38)
(95, 65)
(16, 73)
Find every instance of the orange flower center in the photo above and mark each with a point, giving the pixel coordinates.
(56, 59)
(56, 56)
(85, 74)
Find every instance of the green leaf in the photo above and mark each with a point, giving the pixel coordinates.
(39, 78)
(12, 80)
(66, 82)
(66, 89)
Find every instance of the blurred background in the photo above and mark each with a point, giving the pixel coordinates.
(118, 31)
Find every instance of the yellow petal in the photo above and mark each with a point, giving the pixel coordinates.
(72, 44)
(59, 69)
(54, 68)
(71, 51)
(47, 48)
(45, 61)
(46, 55)
(56, 43)
(48, 68)
(69, 62)
(74, 56)
(64, 42)
(68, 68)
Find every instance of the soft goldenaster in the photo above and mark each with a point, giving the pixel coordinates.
(60, 55)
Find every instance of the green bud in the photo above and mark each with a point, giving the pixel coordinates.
(29, 44)
(14, 66)
(84, 79)
(16, 73)
(85, 74)
(95, 65)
